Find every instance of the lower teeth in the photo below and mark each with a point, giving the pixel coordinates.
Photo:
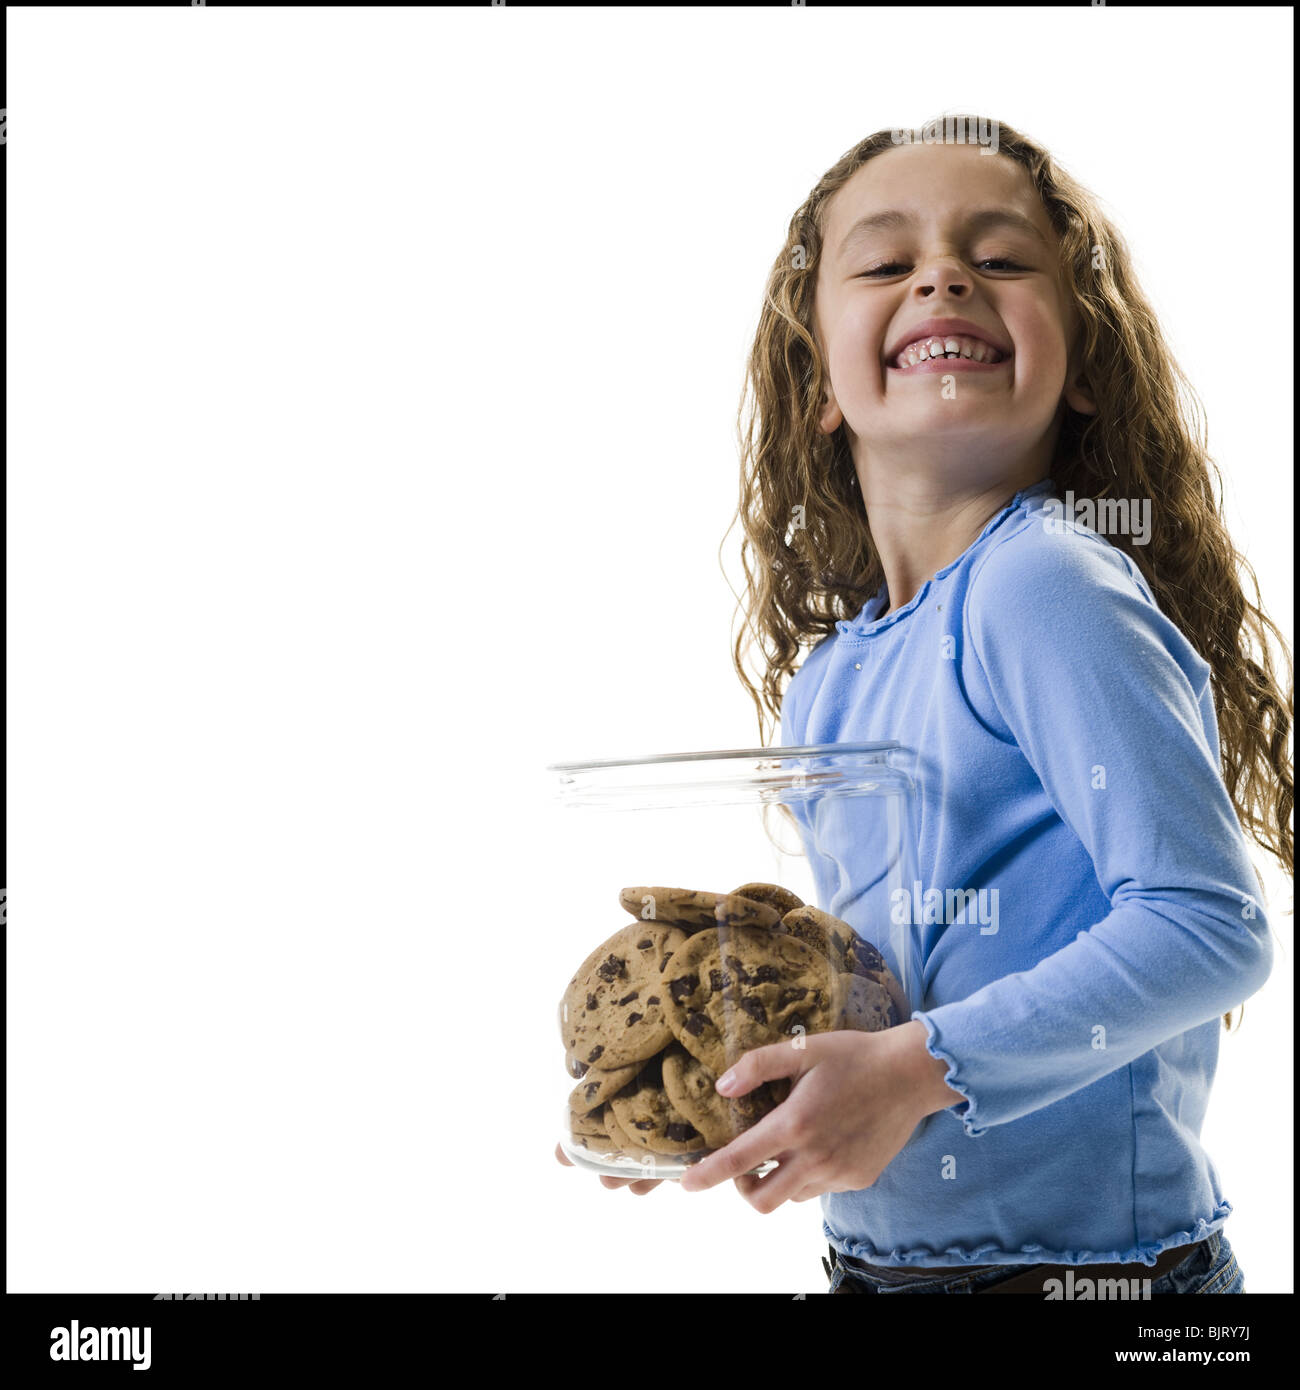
(988, 361)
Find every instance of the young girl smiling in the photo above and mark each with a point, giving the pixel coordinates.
(952, 340)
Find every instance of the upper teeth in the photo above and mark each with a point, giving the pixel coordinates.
(925, 348)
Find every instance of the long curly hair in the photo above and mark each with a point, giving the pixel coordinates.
(1147, 439)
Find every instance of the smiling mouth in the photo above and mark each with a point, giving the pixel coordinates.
(952, 349)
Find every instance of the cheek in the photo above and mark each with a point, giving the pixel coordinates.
(1040, 358)
(855, 364)
(1052, 368)
(1041, 343)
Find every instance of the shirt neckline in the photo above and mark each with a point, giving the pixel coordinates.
(866, 625)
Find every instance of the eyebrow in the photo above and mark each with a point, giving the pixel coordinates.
(895, 221)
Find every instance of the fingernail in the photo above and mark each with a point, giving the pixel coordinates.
(726, 1081)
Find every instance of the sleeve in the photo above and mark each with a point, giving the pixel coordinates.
(1111, 706)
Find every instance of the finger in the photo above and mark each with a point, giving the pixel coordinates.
(768, 1193)
(749, 1183)
(765, 1064)
(640, 1186)
(766, 1139)
(746, 1184)
(560, 1154)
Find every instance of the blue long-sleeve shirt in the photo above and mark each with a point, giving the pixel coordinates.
(1065, 754)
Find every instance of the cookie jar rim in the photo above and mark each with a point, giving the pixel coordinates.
(718, 754)
(787, 774)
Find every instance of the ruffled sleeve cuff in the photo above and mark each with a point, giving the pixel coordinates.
(964, 1110)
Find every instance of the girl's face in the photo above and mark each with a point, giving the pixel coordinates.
(944, 232)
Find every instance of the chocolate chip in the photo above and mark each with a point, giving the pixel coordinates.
(591, 1088)
(795, 1022)
(644, 945)
(754, 1008)
(627, 998)
(579, 1069)
(865, 954)
(663, 964)
(739, 970)
(610, 969)
(643, 1124)
(654, 999)
(634, 1018)
(790, 995)
(682, 987)
(766, 975)
(595, 1052)
(681, 1134)
(591, 1002)
(695, 1024)
(718, 980)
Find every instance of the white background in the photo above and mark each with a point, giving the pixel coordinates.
(372, 387)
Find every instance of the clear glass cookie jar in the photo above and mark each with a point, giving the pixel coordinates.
(715, 902)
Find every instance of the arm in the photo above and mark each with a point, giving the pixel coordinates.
(925, 1073)
(1086, 674)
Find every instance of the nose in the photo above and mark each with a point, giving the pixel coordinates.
(943, 273)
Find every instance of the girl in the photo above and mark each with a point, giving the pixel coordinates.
(953, 354)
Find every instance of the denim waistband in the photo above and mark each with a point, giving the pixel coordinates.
(894, 1274)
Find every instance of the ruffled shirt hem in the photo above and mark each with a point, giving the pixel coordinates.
(1146, 1252)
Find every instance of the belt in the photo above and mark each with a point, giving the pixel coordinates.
(1033, 1278)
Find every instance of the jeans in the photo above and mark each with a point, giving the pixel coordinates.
(1210, 1267)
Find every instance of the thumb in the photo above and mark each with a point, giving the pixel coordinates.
(769, 1063)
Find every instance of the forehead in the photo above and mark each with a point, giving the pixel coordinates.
(937, 185)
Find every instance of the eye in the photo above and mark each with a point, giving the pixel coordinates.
(890, 266)
(881, 270)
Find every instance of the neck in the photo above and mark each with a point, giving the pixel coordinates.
(919, 525)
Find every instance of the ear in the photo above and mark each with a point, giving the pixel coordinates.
(1078, 396)
(831, 416)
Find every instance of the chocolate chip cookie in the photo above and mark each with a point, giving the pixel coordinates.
(862, 958)
(616, 1136)
(612, 1013)
(692, 909)
(862, 1004)
(720, 1119)
(585, 1122)
(585, 1126)
(848, 952)
(650, 1120)
(819, 929)
(598, 1084)
(782, 899)
(588, 1131)
(731, 989)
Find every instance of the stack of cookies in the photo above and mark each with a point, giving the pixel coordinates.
(658, 1012)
